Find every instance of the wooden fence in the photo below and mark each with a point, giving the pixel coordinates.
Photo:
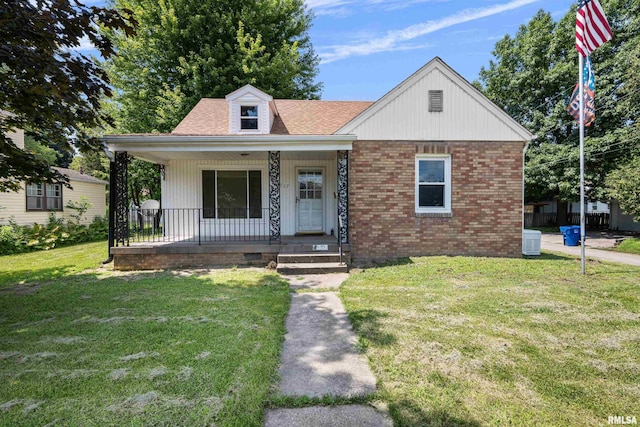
(594, 221)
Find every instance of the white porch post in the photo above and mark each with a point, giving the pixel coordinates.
(274, 196)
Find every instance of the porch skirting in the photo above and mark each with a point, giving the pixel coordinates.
(127, 259)
(186, 255)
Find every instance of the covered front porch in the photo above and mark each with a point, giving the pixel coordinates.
(226, 201)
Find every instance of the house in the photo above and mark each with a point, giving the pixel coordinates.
(34, 202)
(431, 168)
(620, 221)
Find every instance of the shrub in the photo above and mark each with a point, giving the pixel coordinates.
(58, 232)
(11, 240)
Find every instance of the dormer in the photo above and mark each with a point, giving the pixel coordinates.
(251, 111)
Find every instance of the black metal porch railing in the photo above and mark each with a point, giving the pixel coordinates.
(197, 225)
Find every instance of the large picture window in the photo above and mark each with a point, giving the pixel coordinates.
(44, 197)
(433, 184)
(232, 194)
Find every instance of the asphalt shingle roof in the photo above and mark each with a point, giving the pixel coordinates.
(296, 117)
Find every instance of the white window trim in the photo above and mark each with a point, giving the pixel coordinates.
(447, 184)
(249, 104)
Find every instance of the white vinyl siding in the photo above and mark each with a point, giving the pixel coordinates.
(405, 115)
(433, 184)
(182, 185)
(14, 204)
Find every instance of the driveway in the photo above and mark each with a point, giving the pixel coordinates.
(596, 244)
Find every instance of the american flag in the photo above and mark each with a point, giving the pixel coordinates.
(592, 28)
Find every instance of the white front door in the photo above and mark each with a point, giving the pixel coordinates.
(310, 201)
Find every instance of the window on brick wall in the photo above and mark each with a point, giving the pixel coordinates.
(433, 184)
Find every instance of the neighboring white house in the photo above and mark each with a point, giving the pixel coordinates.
(621, 221)
(34, 202)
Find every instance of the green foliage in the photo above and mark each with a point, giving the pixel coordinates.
(42, 152)
(16, 239)
(79, 208)
(624, 185)
(94, 163)
(48, 88)
(144, 181)
(532, 77)
(186, 50)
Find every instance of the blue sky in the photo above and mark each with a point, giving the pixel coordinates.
(369, 46)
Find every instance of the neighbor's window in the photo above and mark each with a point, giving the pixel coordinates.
(44, 197)
(433, 184)
(232, 194)
(249, 117)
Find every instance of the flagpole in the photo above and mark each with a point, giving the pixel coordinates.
(582, 219)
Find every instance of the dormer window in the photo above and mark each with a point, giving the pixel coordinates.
(249, 117)
(251, 111)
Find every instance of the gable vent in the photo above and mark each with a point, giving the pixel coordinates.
(435, 101)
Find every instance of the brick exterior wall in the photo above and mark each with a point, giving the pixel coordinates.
(158, 261)
(486, 201)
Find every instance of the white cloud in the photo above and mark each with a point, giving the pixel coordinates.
(347, 7)
(395, 40)
(85, 45)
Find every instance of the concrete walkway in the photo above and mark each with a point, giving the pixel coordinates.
(593, 249)
(319, 358)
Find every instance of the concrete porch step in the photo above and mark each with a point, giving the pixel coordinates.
(311, 257)
(311, 268)
(297, 248)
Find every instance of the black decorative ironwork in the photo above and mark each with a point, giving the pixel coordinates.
(162, 172)
(343, 195)
(122, 198)
(274, 195)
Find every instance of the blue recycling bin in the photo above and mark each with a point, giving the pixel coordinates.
(571, 234)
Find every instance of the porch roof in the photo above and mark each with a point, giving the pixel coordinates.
(159, 148)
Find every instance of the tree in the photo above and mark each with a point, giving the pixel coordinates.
(532, 77)
(94, 163)
(189, 49)
(41, 152)
(47, 88)
(624, 185)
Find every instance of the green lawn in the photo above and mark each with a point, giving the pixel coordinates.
(86, 346)
(477, 341)
(629, 246)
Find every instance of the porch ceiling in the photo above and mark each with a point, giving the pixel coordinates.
(163, 157)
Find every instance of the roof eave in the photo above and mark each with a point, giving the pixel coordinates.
(229, 142)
